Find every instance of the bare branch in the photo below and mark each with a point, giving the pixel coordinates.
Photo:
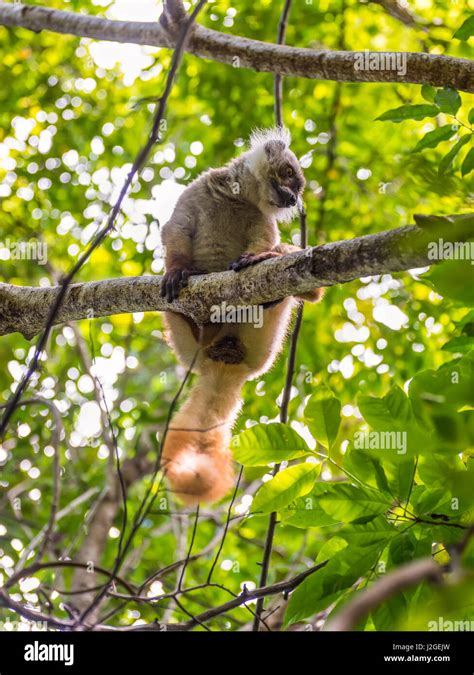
(246, 596)
(32, 614)
(422, 68)
(25, 309)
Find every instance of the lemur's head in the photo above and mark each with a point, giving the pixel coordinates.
(280, 180)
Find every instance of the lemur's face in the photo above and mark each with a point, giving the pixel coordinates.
(285, 181)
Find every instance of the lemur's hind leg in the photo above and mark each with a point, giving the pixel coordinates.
(263, 342)
(186, 337)
(215, 341)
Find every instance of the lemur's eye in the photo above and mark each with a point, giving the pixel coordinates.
(289, 171)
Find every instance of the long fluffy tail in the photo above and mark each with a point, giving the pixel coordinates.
(196, 455)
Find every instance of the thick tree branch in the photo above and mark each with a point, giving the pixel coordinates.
(25, 309)
(422, 68)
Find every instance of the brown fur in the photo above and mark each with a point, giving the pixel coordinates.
(226, 217)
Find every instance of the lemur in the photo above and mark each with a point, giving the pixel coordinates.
(225, 219)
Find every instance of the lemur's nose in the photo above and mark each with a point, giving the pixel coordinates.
(291, 200)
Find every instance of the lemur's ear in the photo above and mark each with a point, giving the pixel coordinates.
(274, 148)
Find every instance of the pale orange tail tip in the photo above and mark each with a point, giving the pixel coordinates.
(198, 464)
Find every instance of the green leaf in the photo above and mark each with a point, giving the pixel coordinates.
(323, 415)
(432, 221)
(459, 345)
(377, 531)
(326, 585)
(466, 324)
(398, 433)
(409, 112)
(304, 518)
(451, 386)
(466, 30)
(306, 512)
(470, 116)
(285, 487)
(387, 615)
(402, 549)
(428, 92)
(448, 100)
(265, 443)
(366, 468)
(425, 500)
(400, 475)
(449, 277)
(348, 503)
(433, 138)
(468, 164)
(448, 159)
(393, 410)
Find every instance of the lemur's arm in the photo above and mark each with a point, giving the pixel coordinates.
(177, 237)
(265, 250)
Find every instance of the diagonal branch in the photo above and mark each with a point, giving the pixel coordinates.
(400, 11)
(422, 68)
(284, 587)
(25, 309)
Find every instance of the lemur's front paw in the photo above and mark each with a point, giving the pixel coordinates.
(174, 280)
(247, 259)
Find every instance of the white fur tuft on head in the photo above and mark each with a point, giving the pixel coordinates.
(256, 157)
(259, 137)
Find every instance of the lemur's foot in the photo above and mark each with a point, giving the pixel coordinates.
(174, 280)
(247, 259)
(228, 349)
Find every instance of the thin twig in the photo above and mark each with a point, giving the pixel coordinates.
(226, 527)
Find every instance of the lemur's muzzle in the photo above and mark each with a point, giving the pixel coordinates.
(286, 196)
